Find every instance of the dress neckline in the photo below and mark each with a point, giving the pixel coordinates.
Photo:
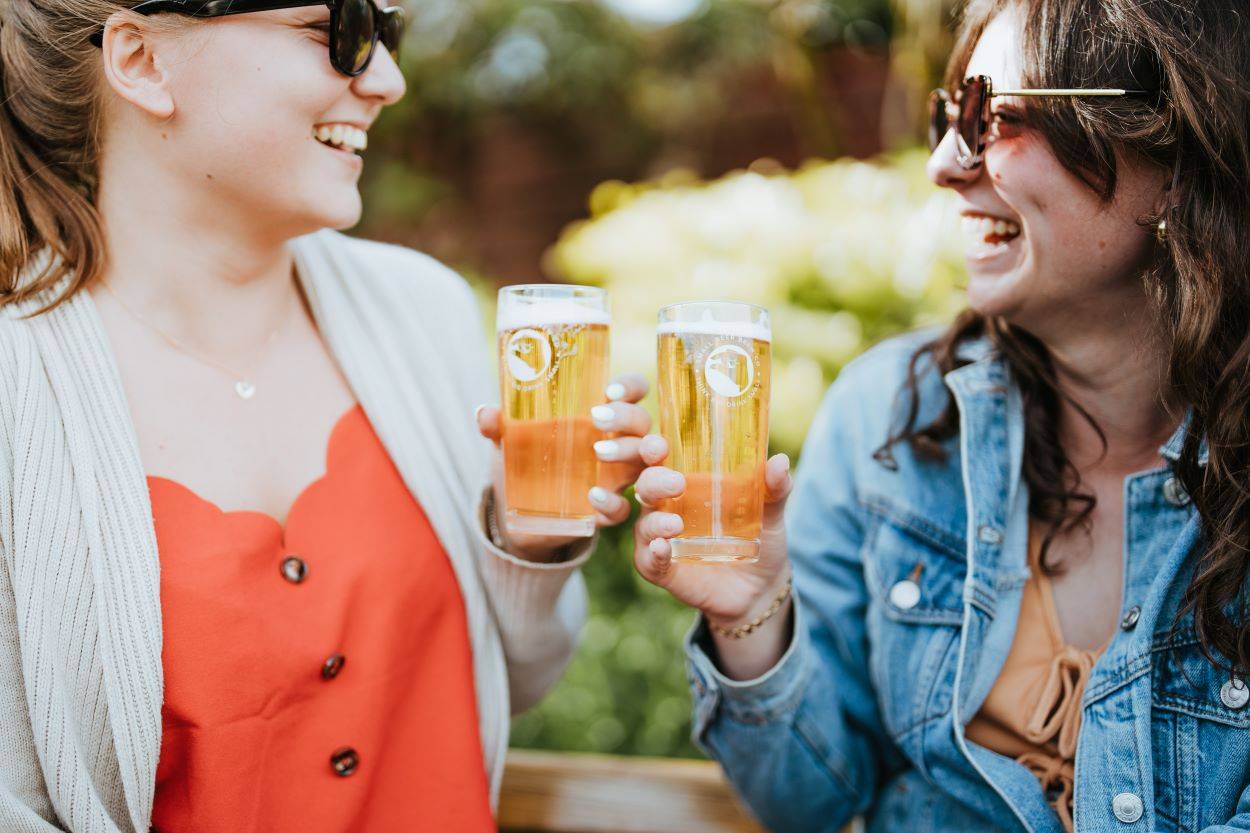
(334, 437)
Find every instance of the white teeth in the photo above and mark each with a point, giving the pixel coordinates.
(344, 136)
(979, 227)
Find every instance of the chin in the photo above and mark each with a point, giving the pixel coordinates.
(342, 211)
(996, 294)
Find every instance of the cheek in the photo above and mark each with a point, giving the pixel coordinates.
(254, 120)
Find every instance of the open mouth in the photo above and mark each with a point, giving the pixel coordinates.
(982, 231)
(344, 137)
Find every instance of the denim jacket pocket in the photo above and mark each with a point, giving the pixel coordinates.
(915, 577)
(1201, 713)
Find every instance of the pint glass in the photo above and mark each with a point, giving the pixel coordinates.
(713, 389)
(553, 368)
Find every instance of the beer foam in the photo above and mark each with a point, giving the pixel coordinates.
(549, 313)
(720, 329)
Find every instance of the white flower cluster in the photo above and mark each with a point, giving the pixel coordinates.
(842, 254)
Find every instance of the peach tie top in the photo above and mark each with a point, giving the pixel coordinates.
(1033, 712)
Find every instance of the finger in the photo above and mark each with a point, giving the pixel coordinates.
(628, 387)
(612, 508)
(489, 424)
(653, 449)
(654, 561)
(778, 484)
(618, 450)
(621, 417)
(658, 483)
(658, 525)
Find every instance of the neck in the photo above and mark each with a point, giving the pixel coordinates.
(1118, 375)
(213, 279)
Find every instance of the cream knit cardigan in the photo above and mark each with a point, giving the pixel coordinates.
(80, 616)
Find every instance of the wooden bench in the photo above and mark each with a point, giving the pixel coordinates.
(559, 792)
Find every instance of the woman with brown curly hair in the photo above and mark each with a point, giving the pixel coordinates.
(251, 576)
(1018, 545)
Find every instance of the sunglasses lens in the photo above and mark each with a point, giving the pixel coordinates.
(353, 42)
(974, 95)
(939, 123)
(393, 24)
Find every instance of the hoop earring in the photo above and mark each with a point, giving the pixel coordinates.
(1161, 231)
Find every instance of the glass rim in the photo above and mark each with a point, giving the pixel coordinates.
(558, 289)
(714, 302)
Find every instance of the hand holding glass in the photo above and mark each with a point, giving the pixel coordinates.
(714, 369)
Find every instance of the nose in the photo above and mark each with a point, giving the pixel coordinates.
(382, 80)
(943, 167)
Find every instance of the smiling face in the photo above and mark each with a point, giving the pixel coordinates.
(262, 123)
(1043, 249)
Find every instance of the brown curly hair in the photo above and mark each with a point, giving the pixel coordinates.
(1196, 54)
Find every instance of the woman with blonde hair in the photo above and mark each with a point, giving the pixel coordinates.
(251, 576)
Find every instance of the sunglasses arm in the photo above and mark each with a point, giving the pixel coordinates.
(1066, 92)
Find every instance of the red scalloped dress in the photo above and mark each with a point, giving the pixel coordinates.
(318, 677)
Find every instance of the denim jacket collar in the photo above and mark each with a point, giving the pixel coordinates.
(981, 351)
(1172, 448)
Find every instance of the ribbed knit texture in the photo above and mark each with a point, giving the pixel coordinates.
(80, 620)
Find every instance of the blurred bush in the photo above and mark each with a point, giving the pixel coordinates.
(843, 254)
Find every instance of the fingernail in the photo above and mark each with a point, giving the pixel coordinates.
(603, 415)
(785, 458)
(477, 412)
(607, 449)
(615, 391)
(598, 495)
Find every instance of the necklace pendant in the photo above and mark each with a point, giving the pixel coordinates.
(244, 389)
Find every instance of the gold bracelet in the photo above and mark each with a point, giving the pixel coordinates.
(750, 627)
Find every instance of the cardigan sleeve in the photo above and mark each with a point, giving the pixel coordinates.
(24, 803)
(540, 607)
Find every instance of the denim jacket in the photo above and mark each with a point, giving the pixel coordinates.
(864, 715)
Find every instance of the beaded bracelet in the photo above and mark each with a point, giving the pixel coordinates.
(750, 627)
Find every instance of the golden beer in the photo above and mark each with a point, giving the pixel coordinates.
(714, 368)
(553, 368)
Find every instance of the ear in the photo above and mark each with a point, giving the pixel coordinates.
(133, 68)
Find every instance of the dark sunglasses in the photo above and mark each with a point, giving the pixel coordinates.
(356, 26)
(969, 114)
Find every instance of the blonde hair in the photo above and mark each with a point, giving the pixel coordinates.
(50, 114)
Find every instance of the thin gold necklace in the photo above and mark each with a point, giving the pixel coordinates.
(243, 386)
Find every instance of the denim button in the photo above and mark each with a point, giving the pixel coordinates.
(990, 535)
(1235, 694)
(905, 594)
(1174, 493)
(1127, 807)
(1130, 618)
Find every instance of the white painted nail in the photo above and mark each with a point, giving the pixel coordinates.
(615, 391)
(477, 412)
(607, 449)
(598, 495)
(603, 415)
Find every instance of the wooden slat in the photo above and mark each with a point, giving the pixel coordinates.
(558, 792)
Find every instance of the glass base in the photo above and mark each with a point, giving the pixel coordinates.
(535, 524)
(716, 550)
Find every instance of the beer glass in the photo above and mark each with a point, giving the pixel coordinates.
(553, 368)
(713, 389)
